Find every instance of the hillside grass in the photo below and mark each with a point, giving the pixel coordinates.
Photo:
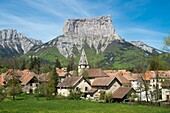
(73, 106)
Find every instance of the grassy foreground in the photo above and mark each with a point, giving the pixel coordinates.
(73, 106)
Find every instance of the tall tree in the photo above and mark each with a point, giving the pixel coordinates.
(2, 93)
(57, 63)
(23, 65)
(156, 65)
(52, 84)
(167, 43)
(13, 85)
(70, 65)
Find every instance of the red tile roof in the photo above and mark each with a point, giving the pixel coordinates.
(70, 81)
(118, 75)
(122, 79)
(27, 77)
(60, 72)
(102, 81)
(129, 77)
(152, 74)
(96, 73)
(1, 80)
(43, 77)
(8, 75)
(92, 90)
(25, 71)
(121, 92)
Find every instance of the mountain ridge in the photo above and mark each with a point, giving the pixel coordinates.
(104, 48)
(13, 44)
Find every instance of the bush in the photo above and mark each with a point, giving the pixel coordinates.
(108, 97)
(2, 93)
(75, 94)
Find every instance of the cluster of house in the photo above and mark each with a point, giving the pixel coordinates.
(121, 84)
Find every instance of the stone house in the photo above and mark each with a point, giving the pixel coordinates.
(92, 74)
(29, 81)
(103, 85)
(62, 74)
(124, 94)
(73, 83)
(119, 75)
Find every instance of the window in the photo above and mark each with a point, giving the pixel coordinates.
(30, 84)
(77, 88)
(86, 88)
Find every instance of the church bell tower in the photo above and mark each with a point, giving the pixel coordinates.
(83, 63)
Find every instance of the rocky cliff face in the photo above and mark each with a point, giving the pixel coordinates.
(14, 44)
(97, 37)
(145, 47)
(96, 32)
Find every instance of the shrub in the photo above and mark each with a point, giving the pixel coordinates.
(75, 94)
(108, 97)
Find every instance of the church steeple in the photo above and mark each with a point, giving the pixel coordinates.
(83, 58)
(83, 63)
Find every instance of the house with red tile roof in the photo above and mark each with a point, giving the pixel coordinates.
(74, 83)
(29, 81)
(125, 82)
(95, 73)
(133, 80)
(123, 94)
(9, 74)
(156, 79)
(62, 74)
(104, 85)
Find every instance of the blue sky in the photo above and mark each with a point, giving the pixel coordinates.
(134, 20)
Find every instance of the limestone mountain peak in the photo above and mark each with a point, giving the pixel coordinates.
(96, 32)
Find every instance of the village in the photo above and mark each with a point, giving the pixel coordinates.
(96, 83)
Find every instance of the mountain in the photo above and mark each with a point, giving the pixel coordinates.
(103, 47)
(13, 44)
(145, 47)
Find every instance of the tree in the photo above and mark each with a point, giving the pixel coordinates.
(167, 43)
(46, 68)
(35, 66)
(85, 74)
(156, 65)
(70, 65)
(144, 86)
(23, 65)
(75, 94)
(52, 84)
(2, 93)
(13, 85)
(108, 97)
(57, 63)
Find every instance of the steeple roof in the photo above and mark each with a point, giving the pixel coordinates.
(83, 58)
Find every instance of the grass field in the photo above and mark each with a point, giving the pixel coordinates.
(73, 106)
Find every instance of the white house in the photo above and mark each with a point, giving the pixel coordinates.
(103, 85)
(73, 82)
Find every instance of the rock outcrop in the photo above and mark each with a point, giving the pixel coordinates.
(96, 32)
(15, 44)
(145, 47)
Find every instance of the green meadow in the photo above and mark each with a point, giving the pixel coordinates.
(73, 106)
